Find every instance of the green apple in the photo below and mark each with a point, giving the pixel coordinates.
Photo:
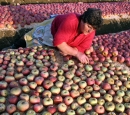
(101, 101)
(2, 99)
(76, 79)
(62, 107)
(61, 78)
(30, 77)
(70, 62)
(120, 107)
(65, 93)
(92, 101)
(89, 89)
(81, 100)
(80, 111)
(88, 68)
(108, 97)
(110, 81)
(55, 90)
(88, 106)
(60, 72)
(59, 84)
(74, 105)
(101, 76)
(47, 101)
(120, 93)
(87, 95)
(74, 86)
(109, 106)
(127, 105)
(69, 74)
(25, 89)
(2, 107)
(93, 113)
(46, 113)
(30, 112)
(102, 91)
(82, 84)
(96, 94)
(127, 84)
(70, 112)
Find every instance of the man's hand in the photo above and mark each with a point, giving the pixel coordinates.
(82, 58)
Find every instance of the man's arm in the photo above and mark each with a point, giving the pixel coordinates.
(68, 50)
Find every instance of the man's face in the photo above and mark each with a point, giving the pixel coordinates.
(85, 28)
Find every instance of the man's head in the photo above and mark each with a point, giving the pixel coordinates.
(91, 19)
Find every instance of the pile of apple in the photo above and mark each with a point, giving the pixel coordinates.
(23, 15)
(111, 46)
(33, 82)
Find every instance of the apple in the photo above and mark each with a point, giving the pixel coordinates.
(39, 89)
(68, 100)
(99, 109)
(23, 81)
(111, 92)
(2, 99)
(98, 82)
(80, 111)
(101, 101)
(38, 107)
(117, 99)
(25, 89)
(46, 113)
(70, 62)
(70, 112)
(47, 84)
(88, 68)
(44, 74)
(22, 105)
(3, 84)
(82, 84)
(11, 108)
(24, 96)
(78, 72)
(30, 77)
(15, 91)
(30, 112)
(88, 89)
(115, 87)
(60, 72)
(120, 93)
(69, 75)
(126, 99)
(76, 79)
(118, 83)
(88, 106)
(96, 87)
(13, 99)
(2, 76)
(96, 94)
(47, 101)
(34, 99)
(39, 80)
(8, 79)
(59, 84)
(74, 105)
(86, 95)
(51, 109)
(109, 106)
(65, 93)
(120, 107)
(69, 81)
(55, 90)
(74, 93)
(93, 101)
(127, 84)
(81, 100)
(67, 87)
(25, 71)
(108, 97)
(2, 107)
(16, 113)
(57, 99)
(127, 105)
(90, 81)
(101, 76)
(106, 86)
(61, 78)
(46, 93)
(62, 107)
(74, 86)
(32, 85)
(64, 67)
(18, 76)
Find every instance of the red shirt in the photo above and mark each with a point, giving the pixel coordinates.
(65, 29)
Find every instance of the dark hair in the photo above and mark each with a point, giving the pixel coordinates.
(93, 17)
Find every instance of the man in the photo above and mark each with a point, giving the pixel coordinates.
(71, 33)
